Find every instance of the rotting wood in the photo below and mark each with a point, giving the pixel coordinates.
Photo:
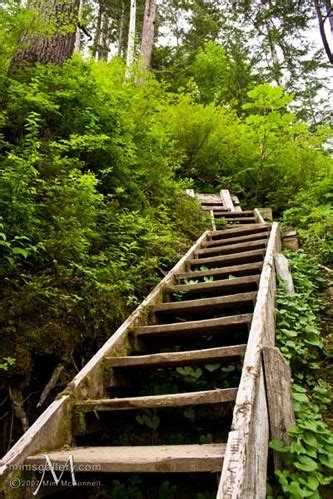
(144, 459)
(217, 396)
(283, 272)
(279, 397)
(203, 326)
(208, 355)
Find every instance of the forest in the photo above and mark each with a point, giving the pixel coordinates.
(109, 111)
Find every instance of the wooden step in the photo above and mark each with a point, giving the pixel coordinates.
(244, 257)
(237, 214)
(205, 304)
(215, 207)
(234, 270)
(236, 220)
(232, 248)
(235, 240)
(206, 327)
(221, 286)
(238, 231)
(217, 396)
(174, 359)
(140, 459)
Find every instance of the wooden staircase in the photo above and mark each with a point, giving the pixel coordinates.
(214, 308)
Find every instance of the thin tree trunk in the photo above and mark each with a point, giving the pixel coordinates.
(329, 13)
(95, 51)
(322, 31)
(148, 34)
(104, 45)
(55, 48)
(131, 39)
(78, 32)
(121, 30)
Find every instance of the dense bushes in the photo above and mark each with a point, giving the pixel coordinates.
(92, 215)
(307, 470)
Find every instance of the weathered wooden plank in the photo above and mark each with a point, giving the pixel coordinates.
(235, 220)
(242, 214)
(217, 396)
(205, 304)
(236, 270)
(214, 207)
(235, 240)
(238, 231)
(223, 285)
(209, 198)
(233, 248)
(279, 397)
(204, 326)
(190, 357)
(283, 272)
(141, 459)
(244, 256)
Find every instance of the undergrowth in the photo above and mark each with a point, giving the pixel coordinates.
(307, 461)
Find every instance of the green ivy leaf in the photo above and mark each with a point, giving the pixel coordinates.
(305, 463)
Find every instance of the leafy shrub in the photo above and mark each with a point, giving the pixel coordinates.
(308, 459)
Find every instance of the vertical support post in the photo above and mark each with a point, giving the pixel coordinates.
(227, 201)
(212, 218)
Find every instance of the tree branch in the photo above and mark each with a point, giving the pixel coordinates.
(322, 31)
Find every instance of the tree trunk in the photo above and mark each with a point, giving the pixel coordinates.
(78, 32)
(104, 44)
(319, 13)
(329, 13)
(97, 38)
(131, 39)
(54, 48)
(121, 30)
(148, 33)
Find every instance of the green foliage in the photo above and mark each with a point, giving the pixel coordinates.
(308, 459)
(92, 214)
(219, 77)
(6, 363)
(249, 153)
(312, 214)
